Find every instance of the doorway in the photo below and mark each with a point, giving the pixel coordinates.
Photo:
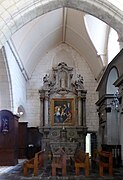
(91, 143)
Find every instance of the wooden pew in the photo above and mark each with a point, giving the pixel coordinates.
(34, 163)
(95, 159)
(59, 162)
(82, 161)
(105, 162)
(103, 159)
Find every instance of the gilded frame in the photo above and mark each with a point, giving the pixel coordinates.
(62, 111)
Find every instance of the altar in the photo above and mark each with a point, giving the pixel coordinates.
(63, 110)
(68, 147)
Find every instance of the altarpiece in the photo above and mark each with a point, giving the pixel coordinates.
(63, 110)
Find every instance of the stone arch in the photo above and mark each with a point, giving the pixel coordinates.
(104, 11)
(112, 77)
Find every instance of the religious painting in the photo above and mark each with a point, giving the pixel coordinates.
(62, 111)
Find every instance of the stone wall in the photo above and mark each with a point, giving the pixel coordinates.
(5, 102)
(17, 82)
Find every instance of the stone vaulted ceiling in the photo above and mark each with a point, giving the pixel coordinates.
(33, 27)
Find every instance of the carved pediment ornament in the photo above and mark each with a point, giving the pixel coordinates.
(62, 66)
(61, 81)
(61, 91)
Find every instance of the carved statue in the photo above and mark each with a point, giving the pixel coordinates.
(46, 78)
(79, 82)
(63, 79)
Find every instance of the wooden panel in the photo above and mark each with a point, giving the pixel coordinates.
(22, 139)
(8, 138)
(8, 157)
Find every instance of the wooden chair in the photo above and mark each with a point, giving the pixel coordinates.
(34, 163)
(106, 161)
(59, 161)
(82, 161)
(95, 159)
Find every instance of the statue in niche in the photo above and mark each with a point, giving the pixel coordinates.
(63, 79)
(79, 81)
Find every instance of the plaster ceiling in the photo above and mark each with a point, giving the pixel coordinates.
(44, 33)
(32, 31)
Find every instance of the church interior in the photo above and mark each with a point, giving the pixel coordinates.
(61, 95)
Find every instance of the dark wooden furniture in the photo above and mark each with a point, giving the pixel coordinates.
(22, 140)
(116, 154)
(34, 163)
(34, 140)
(59, 162)
(8, 138)
(82, 161)
(103, 160)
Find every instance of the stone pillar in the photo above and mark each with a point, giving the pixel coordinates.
(121, 136)
(81, 107)
(121, 123)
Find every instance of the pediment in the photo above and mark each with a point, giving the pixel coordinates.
(61, 81)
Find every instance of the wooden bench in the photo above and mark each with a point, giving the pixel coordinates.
(95, 159)
(82, 161)
(104, 160)
(34, 163)
(59, 162)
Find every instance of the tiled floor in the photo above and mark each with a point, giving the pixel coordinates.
(6, 169)
(16, 173)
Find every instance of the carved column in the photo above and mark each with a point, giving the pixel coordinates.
(83, 109)
(79, 109)
(42, 123)
(46, 108)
